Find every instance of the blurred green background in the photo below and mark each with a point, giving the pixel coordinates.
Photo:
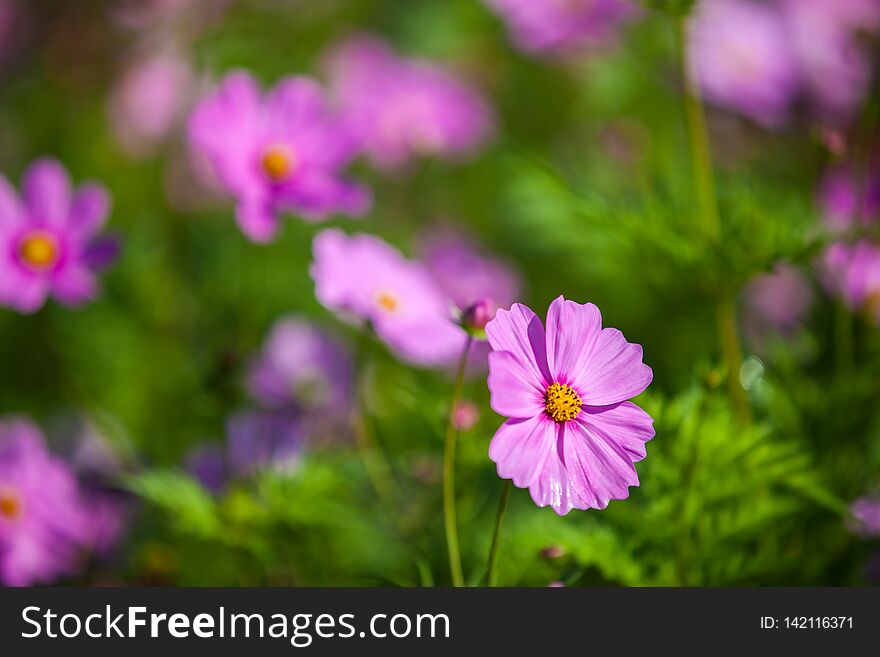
(586, 188)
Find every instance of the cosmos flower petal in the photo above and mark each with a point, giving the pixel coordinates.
(294, 100)
(625, 423)
(77, 286)
(317, 195)
(573, 330)
(599, 464)
(613, 372)
(256, 219)
(46, 191)
(554, 488)
(90, 208)
(520, 448)
(520, 332)
(514, 391)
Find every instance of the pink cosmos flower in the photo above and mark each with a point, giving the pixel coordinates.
(467, 275)
(848, 201)
(401, 108)
(740, 56)
(282, 151)
(301, 367)
(465, 415)
(42, 524)
(49, 240)
(363, 276)
(852, 272)
(561, 26)
(866, 516)
(571, 437)
(149, 100)
(831, 41)
(777, 302)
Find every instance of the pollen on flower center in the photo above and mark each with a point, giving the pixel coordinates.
(562, 402)
(10, 505)
(387, 301)
(278, 163)
(39, 250)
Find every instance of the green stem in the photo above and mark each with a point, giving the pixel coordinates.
(698, 139)
(731, 352)
(709, 218)
(496, 536)
(371, 453)
(449, 515)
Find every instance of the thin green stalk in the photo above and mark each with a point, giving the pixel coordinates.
(371, 453)
(710, 221)
(496, 536)
(698, 139)
(449, 515)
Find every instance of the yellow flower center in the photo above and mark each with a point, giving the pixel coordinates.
(278, 163)
(562, 402)
(387, 301)
(10, 505)
(39, 250)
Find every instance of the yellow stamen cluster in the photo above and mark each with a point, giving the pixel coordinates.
(278, 163)
(39, 250)
(562, 402)
(387, 301)
(10, 505)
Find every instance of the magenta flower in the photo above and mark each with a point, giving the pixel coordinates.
(466, 275)
(741, 59)
(207, 463)
(848, 201)
(563, 26)
(832, 42)
(302, 367)
(852, 272)
(777, 302)
(282, 152)
(866, 516)
(571, 437)
(363, 276)
(49, 242)
(402, 108)
(42, 523)
(149, 100)
(263, 440)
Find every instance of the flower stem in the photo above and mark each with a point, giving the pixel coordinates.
(375, 463)
(732, 354)
(496, 536)
(710, 221)
(698, 139)
(449, 515)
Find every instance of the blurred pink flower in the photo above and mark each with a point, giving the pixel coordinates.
(263, 440)
(282, 151)
(835, 59)
(49, 240)
(42, 523)
(402, 108)
(571, 437)
(465, 415)
(363, 276)
(150, 99)
(302, 367)
(563, 26)
(848, 201)
(866, 516)
(465, 274)
(852, 272)
(777, 302)
(740, 58)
